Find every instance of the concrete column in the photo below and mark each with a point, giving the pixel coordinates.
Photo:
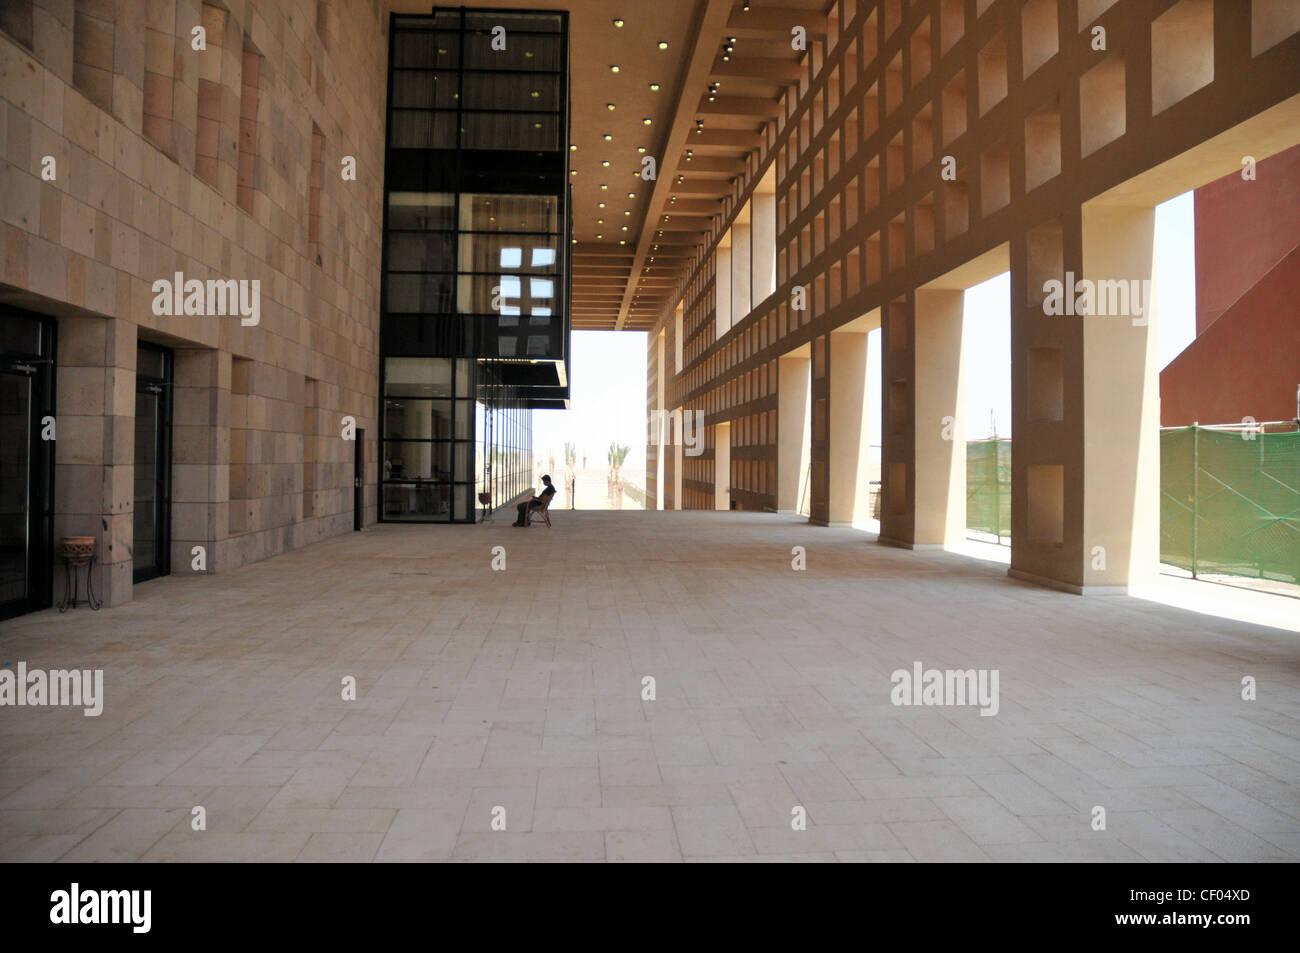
(819, 485)
(763, 235)
(741, 267)
(851, 408)
(924, 452)
(898, 430)
(722, 287)
(200, 458)
(95, 449)
(939, 496)
(661, 491)
(794, 428)
(1121, 403)
(679, 446)
(1085, 467)
(722, 467)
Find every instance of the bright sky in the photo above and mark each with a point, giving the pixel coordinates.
(609, 367)
(606, 405)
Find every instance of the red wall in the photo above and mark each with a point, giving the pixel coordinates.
(1242, 230)
(1245, 360)
(1247, 363)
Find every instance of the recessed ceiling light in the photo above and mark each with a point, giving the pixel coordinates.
(640, 149)
(614, 68)
(646, 121)
(605, 163)
(609, 106)
(626, 212)
(600, 221)
(631, 195)
(600, 205)
(600, 236)
(663, 44)
(654, 87)
(607, 137)
(604, 187)
(618, 21)
(534, 94)
(573, 147)
(625, 228)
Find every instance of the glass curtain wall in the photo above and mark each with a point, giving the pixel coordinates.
(474, 255)
(505, 438)
(26, 461)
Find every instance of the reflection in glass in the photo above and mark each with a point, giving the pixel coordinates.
(429, 211)
(16, 441)
(417, 377)
(491, 212)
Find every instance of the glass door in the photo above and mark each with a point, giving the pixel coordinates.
(26, 461)
(151, 549)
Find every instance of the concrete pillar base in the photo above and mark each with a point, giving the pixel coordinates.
(1069, 587)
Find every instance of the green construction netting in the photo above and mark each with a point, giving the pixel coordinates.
(988, 486)
(1230, 502)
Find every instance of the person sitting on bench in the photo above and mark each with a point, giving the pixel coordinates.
(535, 502)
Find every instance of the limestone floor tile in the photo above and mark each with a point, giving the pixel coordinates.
(421, 834)
(602, 819)
(984, 820)
(817, 838)
(568, 787)
(188, 846)
(127, 836)
(523, 690)
(824, 857)
(665, 795)
(711, 831)
(1216, 833)
(36, 848)
(322, 820)
(642, 847)
(937, 842)
(75, 821)
(339, 848)
(530, 846)
(898, 856)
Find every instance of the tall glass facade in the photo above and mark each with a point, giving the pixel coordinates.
(475, 299)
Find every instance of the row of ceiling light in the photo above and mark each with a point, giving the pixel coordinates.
(608, 137)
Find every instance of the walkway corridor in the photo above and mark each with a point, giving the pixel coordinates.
(521, 690)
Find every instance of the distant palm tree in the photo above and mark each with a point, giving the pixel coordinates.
(571, 468)
(617, 454)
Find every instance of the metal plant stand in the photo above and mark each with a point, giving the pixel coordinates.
(78, 552)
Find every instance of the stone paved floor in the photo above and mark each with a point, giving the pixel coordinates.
(522, 689)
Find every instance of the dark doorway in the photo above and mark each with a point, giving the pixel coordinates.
(151, 548)
(26, 461)
(358, 479)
